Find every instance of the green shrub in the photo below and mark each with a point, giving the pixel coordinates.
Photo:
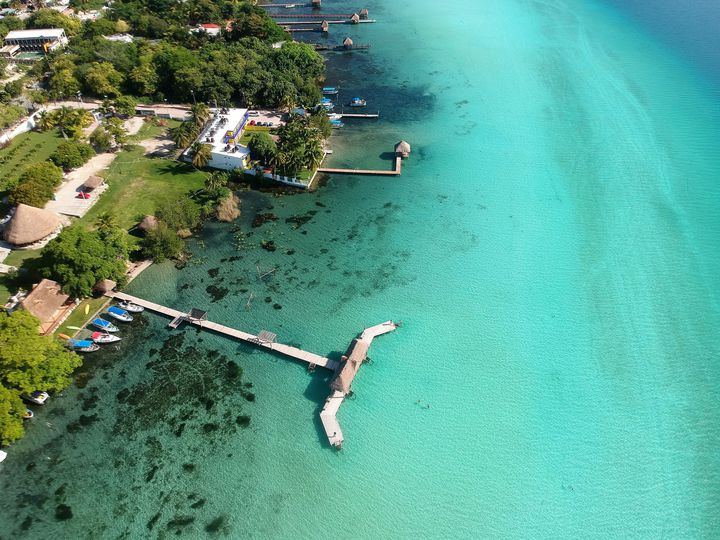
(72, 154)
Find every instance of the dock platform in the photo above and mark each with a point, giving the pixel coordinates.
(366, 172)
(345, 370)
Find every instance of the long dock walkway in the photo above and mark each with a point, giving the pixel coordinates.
(367, 172)
(178, 317)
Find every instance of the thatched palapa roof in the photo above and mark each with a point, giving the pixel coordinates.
(148, 223)
(44, 301)
(403, 148)
(348, 43)
(94, 182)
(355, 19)
(30, 224)
(105, 285)
(364, 13)
(324, 26)
(353, 359)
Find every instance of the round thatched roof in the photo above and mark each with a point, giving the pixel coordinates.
(402, 148)
(148, 223)
(325, 26)
(30, 224)
(348, 42)
(94, 182)
(105, 285)
(364, 13)
(355, 19)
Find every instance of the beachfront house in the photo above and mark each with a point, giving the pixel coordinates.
(37, 40)
(222, 133)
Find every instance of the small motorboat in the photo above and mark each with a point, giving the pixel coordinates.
(82, 345)
(28, 414)
(357, 102)
(119, 314)
(326, 103)
(3, 455)
(330, 91)
(104, 337)
(37, 397)
(129, 306)
(104, 325)
(334, 116)
(336, 124)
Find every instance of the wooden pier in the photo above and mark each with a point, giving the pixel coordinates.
(345, 370)
(366, 172)
(359, 115)
(179, 317)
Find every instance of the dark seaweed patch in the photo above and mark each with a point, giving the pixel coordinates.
(178, 522)
(63, 512)
(26, 524)
(261, 219)
(179, 430)
(216, 524)
(216, 293)
(152, 521)
(210, 427)
(277, 306)
(188, 467)
(151, 473)
(198, 504)
(213, 272)
(243, 420)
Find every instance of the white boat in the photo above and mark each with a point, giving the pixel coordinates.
(36, 397)
(28, 414)
(335, 116)
(104, 325)
(104, 337)
(3, 455)
(357, 102)
(129, 306)
(119, 314)
(82, 345)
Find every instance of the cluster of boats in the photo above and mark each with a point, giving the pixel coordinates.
(106, 329)
(328, 104)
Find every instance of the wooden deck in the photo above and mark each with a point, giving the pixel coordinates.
(328, 414)
(179, 317)
(360, 115)
(366, 172)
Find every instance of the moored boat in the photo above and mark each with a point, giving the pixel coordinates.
(330, 91)
(119, 314)
(104, 337)
(104, 325)
(357, 102)
(336, 124)
(28, 414)
(129, 306)
(334, 116)
(82, 345)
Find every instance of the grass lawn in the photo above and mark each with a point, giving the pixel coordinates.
(78, 317)
(9, 284)
(26, 149)
(139, 185)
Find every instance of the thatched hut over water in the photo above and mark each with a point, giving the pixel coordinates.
(355, 19)
(351, 362)
(402, 149)
(316, 3)
(324, 27)
(364, 13)
(348, 43)
(30, 225)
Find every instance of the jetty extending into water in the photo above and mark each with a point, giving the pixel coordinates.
(345, 370)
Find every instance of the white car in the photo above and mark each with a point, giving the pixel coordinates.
(36, 397)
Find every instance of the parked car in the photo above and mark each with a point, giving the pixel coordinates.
(253, 113)
(251, 123)
(36, 397)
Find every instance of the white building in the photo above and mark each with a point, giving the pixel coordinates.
(39, 40)
(222, 132)
(208, 28)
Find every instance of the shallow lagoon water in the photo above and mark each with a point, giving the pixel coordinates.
(551, 251)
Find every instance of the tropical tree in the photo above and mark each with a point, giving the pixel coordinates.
(72, 154)
(78, 259)
(199, 114)
(262, 146)
(202, 154)
(216, 183)
(106, 222)
(11, 415)
(314, 152)
(184, 134)
(28, 361)
(162, 243)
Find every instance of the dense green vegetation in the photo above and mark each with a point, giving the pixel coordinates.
(26, 149)
(79, 258)
(240, 66)
(28, 362)
(71, 155)
(36, 185)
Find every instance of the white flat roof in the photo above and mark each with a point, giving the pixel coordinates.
(36, 34)
(217, 128)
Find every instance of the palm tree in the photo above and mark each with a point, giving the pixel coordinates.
(202, 153)
(216, 181)
(184, 134)
(105, 222)
(45, 120)
(314, 152)
(199, 114)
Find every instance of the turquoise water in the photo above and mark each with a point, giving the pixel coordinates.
(551, 249)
